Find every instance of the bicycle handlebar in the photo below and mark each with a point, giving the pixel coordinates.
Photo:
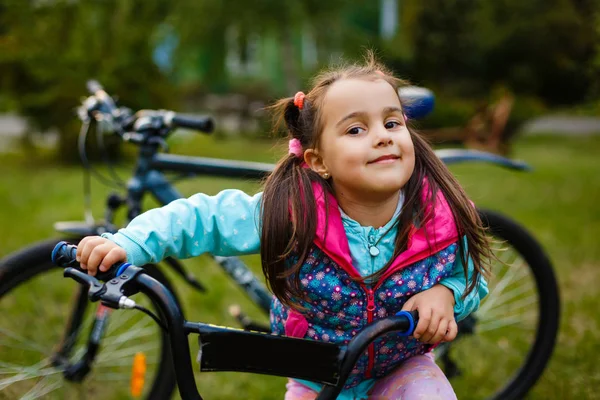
(204, 124)
(158, 121)
(114, 294)
(93, 87)
(64, 255)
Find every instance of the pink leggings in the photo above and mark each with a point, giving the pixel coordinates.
(417, 378)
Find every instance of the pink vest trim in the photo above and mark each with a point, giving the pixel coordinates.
(296, 325)
(331, 236)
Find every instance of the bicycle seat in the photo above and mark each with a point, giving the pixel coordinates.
(417, 101)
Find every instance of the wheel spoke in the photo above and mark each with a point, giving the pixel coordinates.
(135, 332)
(14, 367)
(504, 322)
(24, 343)
(128, 352)
(521, 305)
(509, 276)
(119, 318)
(4, 383)
(518, 291)
(107, 376)
(43, 387)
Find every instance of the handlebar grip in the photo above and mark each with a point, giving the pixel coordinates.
(93, 86)
(413, 320)
(203, 124)
(64, 255)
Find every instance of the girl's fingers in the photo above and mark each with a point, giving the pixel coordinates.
(441, 331)
(452, 331)
(88, 245)
(423, 324)
(96, 257)
(114, 255)
(409, 305)
(432, 328)
(80, 247)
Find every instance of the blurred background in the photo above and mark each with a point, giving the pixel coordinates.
(517, 78)
(230, 58)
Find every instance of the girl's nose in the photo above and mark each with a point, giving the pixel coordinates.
(383, 137)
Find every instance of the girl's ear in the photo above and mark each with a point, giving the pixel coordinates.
(315, 162)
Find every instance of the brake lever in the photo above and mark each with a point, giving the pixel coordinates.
(96, 288)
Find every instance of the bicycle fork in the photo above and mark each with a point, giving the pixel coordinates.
(78, 370)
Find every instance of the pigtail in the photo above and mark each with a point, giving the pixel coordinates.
(288, 207)
(467, 220)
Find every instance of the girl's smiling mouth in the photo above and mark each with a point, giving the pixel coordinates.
(388, 158)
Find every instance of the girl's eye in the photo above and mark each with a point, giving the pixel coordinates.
(355, 131)
(392, 124)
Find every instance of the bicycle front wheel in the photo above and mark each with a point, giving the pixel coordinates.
(503, 348)
(47, 322)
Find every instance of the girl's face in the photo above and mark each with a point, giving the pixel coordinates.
(365, 145)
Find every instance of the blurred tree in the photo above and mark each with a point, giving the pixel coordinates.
(445, 46)
(268, 20)
(147, 50)
(542, 47)
(593, 10)
(48, 49)
(537, 47)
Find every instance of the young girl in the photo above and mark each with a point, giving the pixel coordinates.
(358, 221)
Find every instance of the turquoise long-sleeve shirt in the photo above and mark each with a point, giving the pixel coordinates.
(228, 224)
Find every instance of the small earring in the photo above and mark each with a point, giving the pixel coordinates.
(326, 175)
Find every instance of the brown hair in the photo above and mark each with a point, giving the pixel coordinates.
(288, 230)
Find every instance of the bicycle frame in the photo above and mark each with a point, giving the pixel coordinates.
(149, 178)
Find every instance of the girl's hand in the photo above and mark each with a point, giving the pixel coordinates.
(436, 314)
(94, 251)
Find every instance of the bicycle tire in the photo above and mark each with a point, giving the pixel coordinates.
(24, 265)
(525, 377)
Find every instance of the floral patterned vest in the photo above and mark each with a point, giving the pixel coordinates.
(336, 306)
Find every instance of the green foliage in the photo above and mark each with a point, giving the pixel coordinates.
(543, 48)
(50, 49)
(449, 112)
(214, 20)
(588, 109)
(538, 49)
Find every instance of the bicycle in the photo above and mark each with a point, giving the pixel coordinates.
(226, 349)
(530, 291)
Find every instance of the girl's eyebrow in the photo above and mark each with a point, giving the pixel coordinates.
(386, 110)
(389, 110)
(350, 116)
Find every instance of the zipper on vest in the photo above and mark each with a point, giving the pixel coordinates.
(370, 310)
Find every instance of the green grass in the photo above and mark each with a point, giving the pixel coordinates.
(558, 202)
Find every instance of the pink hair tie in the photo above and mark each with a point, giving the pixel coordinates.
(299, 100)
(295, 147)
